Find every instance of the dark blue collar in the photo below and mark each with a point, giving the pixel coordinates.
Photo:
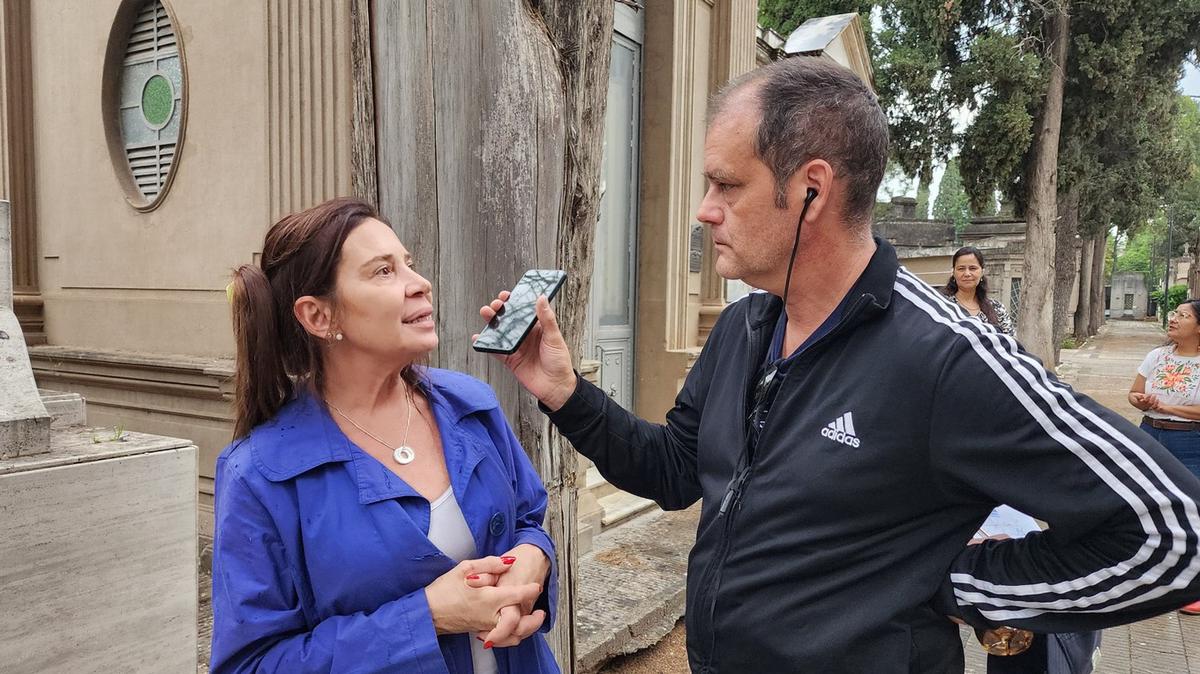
(775, 350)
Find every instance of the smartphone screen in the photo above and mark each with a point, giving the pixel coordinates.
(505, 332)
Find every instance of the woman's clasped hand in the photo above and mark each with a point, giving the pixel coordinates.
(1144, 401)
(491, 597)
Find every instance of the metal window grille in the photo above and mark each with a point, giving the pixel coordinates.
(151, 99)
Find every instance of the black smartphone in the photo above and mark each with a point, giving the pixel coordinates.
(505, 332)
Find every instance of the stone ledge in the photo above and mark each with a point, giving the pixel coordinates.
(174, 375)
(75, 445)
(65, 409)
(621, 506)
(221, 368)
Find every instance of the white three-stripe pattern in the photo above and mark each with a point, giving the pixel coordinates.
(1126, 566)
(844, 423)
(1000, 353)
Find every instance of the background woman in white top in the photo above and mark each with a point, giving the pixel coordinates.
(1166, 389)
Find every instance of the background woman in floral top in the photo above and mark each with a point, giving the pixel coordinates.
(968, 288)
(1166, 389)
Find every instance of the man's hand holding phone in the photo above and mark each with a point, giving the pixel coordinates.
(542, 362)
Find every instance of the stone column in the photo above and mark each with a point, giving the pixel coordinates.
(734, 44)
(313, 114)
(16, 162)
(24, 423)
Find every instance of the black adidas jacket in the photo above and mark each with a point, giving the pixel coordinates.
(835, 558)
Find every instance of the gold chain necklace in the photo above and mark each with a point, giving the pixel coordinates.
(403, 454)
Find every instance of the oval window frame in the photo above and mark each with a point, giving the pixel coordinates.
(110, 104)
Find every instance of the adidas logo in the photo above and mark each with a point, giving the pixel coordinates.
(842, 430)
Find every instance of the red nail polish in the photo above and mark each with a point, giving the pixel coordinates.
(473, 576)
(508, 560)
(487, 644)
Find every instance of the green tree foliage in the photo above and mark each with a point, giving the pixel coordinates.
(981, 62)
(934, 62)
(1184, 204)
(1119, 152)
(1140, 191)
(969, 77)
(923, 188)
(952, 203)
(1140, 247)
(968, 60)
(1120, 137)
(1187, 138)
(1143, 249)
(1177, 295)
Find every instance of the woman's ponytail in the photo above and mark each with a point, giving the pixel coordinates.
(274, 353)
(261, 383)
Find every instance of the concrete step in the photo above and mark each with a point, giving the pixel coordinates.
(631, 586)
(596, 484)
(621, 506)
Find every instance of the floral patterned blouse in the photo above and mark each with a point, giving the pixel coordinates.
(1174, 379)
(1005, 324)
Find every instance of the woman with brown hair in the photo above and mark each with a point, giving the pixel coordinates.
(372, 514)
(968, 288)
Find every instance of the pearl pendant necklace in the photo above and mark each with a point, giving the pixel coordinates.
(403, 454)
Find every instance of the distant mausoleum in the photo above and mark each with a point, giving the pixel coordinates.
(926, 248)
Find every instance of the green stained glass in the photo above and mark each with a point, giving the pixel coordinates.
(158, 101)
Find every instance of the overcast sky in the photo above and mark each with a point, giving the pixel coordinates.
(1190, 84)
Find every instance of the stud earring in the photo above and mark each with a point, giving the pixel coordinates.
(338, 336)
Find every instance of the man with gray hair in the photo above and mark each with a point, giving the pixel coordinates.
(849, 429)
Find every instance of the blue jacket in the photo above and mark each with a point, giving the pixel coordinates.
(320, 556)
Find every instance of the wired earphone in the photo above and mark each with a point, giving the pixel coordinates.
(787, 283)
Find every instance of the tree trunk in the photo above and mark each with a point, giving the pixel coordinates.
(1083, 305)
(1099, 254)
(1035, 318)
(581, 30)
(488, 164)
(1066, 267)
(1194, 270)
